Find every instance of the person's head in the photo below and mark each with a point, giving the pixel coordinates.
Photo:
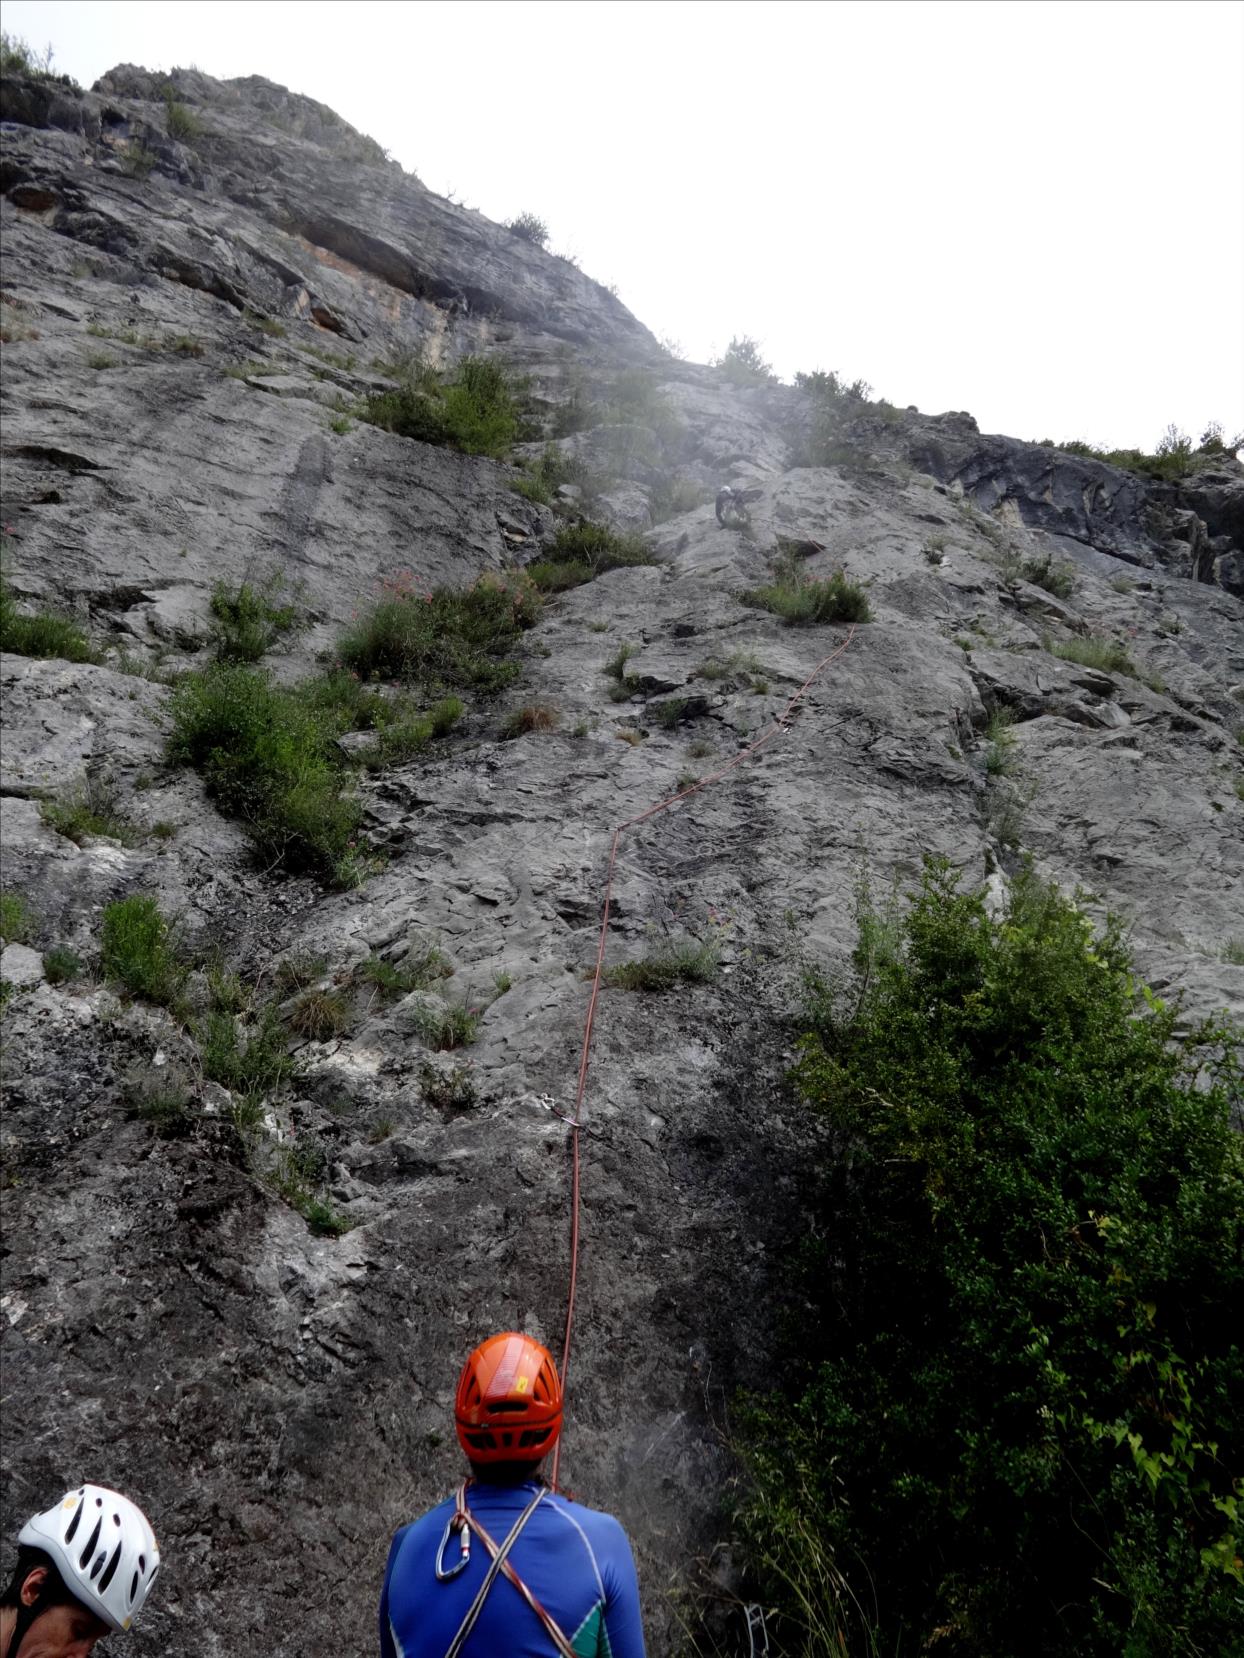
(84, 1569)
(508, 1409)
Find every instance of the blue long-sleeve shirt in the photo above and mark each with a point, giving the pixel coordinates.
(575, 1560)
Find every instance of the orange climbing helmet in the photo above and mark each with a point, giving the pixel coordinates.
(509, 1403)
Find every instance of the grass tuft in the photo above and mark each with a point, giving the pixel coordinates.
(802, 601)
(687, 962)
(137, 948)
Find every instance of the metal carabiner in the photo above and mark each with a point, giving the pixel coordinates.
(756, 1623)
(443, 1576)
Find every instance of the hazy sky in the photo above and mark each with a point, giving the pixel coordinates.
(1031, 211)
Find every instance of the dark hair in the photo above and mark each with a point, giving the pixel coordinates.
(53, 1592)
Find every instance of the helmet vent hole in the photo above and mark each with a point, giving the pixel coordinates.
(500, 1406)
(133, 1587)
(116, 1519)
(111, 1571)
(73, 1524)
(89, 1550)
(142, 1562)
(99, 1502)
(97, 1563)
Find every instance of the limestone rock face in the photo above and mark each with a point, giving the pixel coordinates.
(189, 323)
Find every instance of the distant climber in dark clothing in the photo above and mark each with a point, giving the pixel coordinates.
(732, 506)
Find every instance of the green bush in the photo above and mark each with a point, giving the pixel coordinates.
(529, 228)
(320, 1015)
(477, 411)
(42, 634)
(447, 1027)
(686, 962)
(183, 125)
(137, 948)
(443, 638)
(802, 601)
(1058, 578)
(1016, 1413)
(248, 1057)
(16, 922)
(60, 965)
(581, 552)
(248, 622)
(1175, 456)
(742, 364)
(1107, 654)
(268, 756)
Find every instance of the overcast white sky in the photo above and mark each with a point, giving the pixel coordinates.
(1029, 210)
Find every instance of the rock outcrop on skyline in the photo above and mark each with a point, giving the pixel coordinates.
(191, 324)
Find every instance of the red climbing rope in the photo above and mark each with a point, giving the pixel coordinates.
(576, 1122)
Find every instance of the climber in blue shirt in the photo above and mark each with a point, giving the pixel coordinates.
(507, 1568)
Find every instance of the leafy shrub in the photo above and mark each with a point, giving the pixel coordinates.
(802, 601)
(742, 364)
(1018, 1415)
(42, 634)
(529, 228)
(544, 477)
(16, 922)
(536, 717)
(268, 756)
(137, 948)
(87, 811)
(477, 411)
(445, 637)
(688, 961)
(248, 622)
(60, 965)
(1000, 753)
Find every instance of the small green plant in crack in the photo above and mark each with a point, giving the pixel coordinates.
(297, 1175)
(16, 921)
(299, 971)
(166, 1107)
(670, 713)
(419, 970)
(615, 669)
(381, 1130)
(451, 1090)
(1000, 756)
(1056, 576)
(319, 1015)
(1233, 951)
(248, 1056)
(689, 961)
(60, 965)
(43, 634)
(138, 949)
(445, 1028)
(247, 622)
(341, 424)
(88, 812)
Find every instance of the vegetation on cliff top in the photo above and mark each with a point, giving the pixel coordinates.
(1016, 1414)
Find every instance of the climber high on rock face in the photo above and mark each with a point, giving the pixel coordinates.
(84, 1569)
(732, 505)
(507, 1568)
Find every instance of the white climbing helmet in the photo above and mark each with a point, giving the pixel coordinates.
(104, 1549)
